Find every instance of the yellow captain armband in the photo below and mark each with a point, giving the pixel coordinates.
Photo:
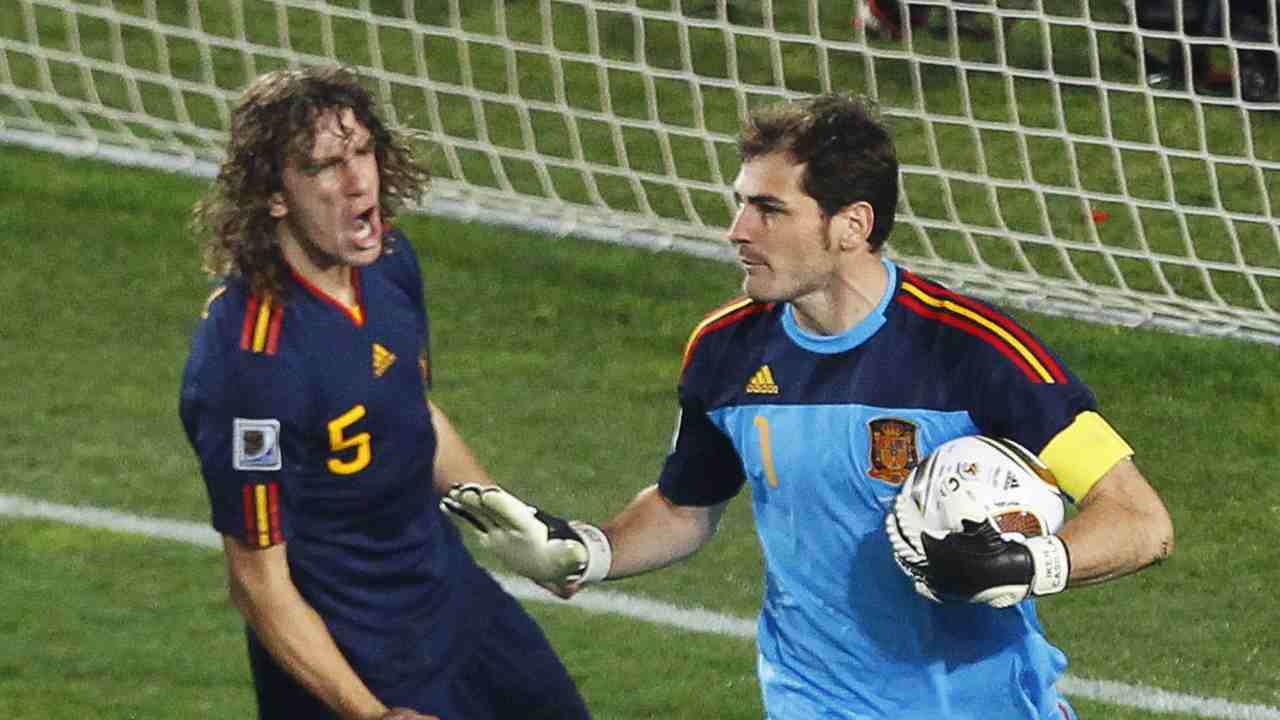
(1082, 453)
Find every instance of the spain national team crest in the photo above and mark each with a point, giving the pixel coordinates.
(894, 450)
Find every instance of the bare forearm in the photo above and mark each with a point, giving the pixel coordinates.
(291, 630)
(652, 533)
(299, 641)
(454, 462)
(1122, 527)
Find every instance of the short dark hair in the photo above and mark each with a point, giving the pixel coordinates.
(274, 123)
(847, 151)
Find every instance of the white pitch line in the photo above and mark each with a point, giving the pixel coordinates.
(694, 619)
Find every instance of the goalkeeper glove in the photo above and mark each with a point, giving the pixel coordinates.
(981, 565)
(539, 546)
(905, 526)
(977, 564)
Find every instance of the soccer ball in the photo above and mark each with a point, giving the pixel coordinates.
(979, 478)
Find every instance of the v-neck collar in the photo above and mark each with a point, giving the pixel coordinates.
(355, 312)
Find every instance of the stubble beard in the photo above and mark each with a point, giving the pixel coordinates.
(796, 283)
(320, 258)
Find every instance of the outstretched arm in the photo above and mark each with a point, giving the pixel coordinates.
(652, 532)
(564, 556)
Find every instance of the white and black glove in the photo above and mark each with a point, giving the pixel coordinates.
(905, 525)
(982, 565)
(535, 544)
(977, 564)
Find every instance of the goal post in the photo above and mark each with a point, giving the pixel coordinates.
(1089, 159)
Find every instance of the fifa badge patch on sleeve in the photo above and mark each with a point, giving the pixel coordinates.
(256, 444)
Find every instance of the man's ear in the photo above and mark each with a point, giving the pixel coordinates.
(854, 223)
(276, 205)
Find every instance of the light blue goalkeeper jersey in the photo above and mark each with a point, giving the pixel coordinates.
(825, 429)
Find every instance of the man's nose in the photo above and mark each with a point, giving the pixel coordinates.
(739, 230)
(355, 180)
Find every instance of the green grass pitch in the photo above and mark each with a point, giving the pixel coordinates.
(557, 359)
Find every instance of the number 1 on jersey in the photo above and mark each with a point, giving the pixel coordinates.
(766, 450)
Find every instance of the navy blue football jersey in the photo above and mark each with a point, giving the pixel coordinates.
(312, 428)
(825, 429)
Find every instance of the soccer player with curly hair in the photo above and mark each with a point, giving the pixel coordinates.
(305, 399)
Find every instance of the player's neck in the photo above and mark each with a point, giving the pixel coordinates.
(334, 279)
(336, 282)
(850, 298)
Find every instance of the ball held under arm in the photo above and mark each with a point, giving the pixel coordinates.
(982, 565)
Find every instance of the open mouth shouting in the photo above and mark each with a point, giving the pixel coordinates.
(367, 228)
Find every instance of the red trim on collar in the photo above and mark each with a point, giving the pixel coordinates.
(356, 314)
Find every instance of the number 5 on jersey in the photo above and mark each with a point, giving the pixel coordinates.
(340, 441)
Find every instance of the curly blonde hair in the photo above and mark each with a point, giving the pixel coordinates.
(273, 123)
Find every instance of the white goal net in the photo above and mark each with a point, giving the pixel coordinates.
(1110, 161)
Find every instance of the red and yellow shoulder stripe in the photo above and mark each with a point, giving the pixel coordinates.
(727, 314)
(936, 302)
(260, 329)
(262, 515)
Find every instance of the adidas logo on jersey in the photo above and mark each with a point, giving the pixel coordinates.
(382, 359)
(762, 382)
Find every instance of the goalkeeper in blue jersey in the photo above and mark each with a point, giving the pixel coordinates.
(304, 397)
(822, 388)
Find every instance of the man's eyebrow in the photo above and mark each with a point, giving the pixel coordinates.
(309, 164)
(319, 163)
(771, 202)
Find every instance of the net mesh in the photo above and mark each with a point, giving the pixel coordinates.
(1110, 162)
